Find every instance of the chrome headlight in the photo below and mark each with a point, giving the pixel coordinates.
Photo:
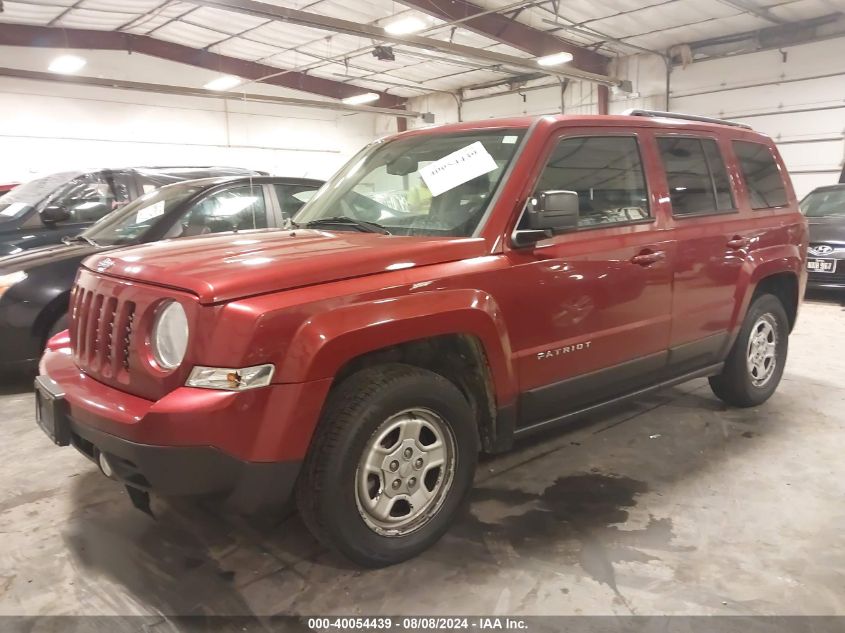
(170, 335)
(230, 379)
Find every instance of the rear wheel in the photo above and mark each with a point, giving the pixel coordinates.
(755, 364)
(390, 465)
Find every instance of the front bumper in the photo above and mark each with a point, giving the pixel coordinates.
(247, 446)
(194, 470)
(833, 281)
(20, 345)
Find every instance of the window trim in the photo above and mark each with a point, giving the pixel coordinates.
(699, 214)
(777, 164)
(652, 216)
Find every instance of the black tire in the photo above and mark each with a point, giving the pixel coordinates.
(736, 384)
(60, 325)
(327, 489)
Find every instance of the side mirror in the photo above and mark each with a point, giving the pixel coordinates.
(547, 213)
(54, 213)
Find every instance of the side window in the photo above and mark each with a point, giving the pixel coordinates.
(721, 182)
(236, 209)
(695, 171)
(293, 197)
(761, 173)
(607, 174)
(90, 197)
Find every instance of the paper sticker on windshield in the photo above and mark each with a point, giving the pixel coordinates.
(457, 168)
(150, 212)
(13, 209)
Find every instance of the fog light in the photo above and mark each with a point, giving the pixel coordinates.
(105, 466)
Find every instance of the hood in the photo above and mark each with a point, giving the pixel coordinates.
(33, 258)
(827, 229)
(229, 266)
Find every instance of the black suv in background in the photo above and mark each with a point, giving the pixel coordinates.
(45, 210)
(35, 285)
(825, 211)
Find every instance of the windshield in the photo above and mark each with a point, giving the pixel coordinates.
(24, 197)
(133, 220)
(823, 203)
(430, 184)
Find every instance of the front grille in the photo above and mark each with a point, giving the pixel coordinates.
(832, 253)
(100, 332)
(837, 277)
(108, 321)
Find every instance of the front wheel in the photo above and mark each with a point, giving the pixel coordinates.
(755, 364)
(390, 465)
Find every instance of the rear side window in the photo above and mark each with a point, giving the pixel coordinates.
(761, 173)
(235, 209)
(607, 174)
(695, 171)
(721, 183)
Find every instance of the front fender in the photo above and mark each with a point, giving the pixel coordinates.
(327, 341)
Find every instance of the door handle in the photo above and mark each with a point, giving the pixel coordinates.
(647, 258)
(737, 242)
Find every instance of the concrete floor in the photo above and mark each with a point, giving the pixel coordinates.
(677, 505)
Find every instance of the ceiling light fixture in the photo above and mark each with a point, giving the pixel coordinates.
(405, 26)
(224, 82)
(367, 97)
(66, 64)
(555, 59)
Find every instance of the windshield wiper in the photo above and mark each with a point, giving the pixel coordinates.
(368, 227)
(67, 239)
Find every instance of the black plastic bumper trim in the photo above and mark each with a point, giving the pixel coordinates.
(191, 470)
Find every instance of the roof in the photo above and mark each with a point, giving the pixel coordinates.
(266, 180)
(587, 120)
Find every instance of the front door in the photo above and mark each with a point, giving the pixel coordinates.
(86, 198)
(594, 314)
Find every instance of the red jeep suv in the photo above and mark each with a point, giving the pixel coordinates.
(450, 290)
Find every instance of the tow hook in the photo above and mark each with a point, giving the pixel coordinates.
(140, 499)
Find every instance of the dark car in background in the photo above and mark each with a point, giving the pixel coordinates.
(35, 285)
(46, 209)
(825, 211)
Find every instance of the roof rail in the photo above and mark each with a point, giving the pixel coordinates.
(685, 117)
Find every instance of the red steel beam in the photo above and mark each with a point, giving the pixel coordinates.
(604, 99)
(48, 37)
(508, 31)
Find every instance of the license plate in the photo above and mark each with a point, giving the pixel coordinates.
(50, 411)
(821, 265)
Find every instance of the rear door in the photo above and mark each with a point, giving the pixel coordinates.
(712, 236)
(594, 304)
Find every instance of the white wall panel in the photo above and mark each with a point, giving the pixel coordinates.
(46, 127)
(796, 97)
